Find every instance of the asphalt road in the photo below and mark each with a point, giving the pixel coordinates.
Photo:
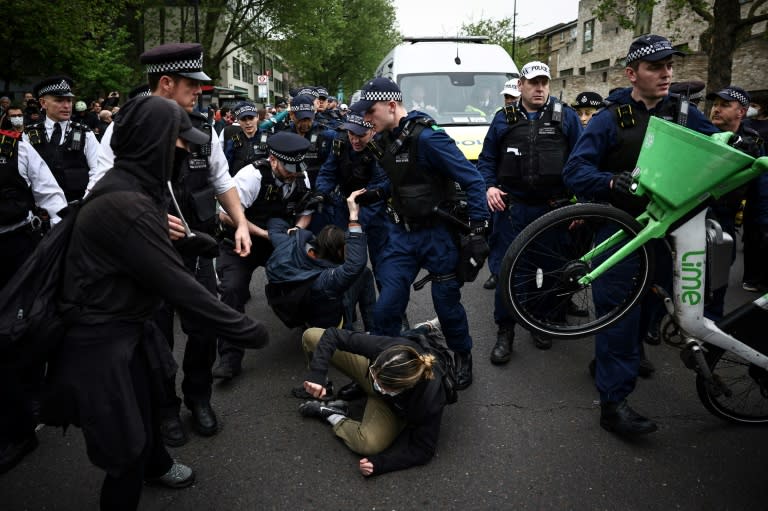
(523, 436)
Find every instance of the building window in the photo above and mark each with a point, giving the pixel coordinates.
(235, 68)
(605, 76)
(564, 82)
(601, 64)
(247, 73)
(643, 16)
(567, 72)
(589, 32)
(582, 71)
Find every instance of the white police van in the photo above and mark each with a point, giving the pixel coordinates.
(456, 80)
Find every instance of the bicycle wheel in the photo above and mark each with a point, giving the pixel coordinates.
(541, 268)
(743, 396)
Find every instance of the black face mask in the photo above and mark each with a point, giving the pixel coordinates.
(179, 157)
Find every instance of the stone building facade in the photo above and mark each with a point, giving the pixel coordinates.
(588, 54)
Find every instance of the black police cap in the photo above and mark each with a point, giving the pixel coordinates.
(54, 86)
(289, 148)
(183, 59)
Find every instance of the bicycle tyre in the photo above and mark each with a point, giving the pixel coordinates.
(747, 404)
(538, 295)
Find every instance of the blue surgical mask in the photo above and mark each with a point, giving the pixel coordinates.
(752, 112)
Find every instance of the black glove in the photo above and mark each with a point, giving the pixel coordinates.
(623, 194)
(201, 244)
(314, 203)
(472, 255)
(368, 197)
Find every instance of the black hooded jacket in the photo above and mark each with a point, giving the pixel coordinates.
(120, 265)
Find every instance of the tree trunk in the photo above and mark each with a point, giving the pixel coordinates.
(723, 39)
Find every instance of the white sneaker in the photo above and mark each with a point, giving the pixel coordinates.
(431, 326)
(178, 476)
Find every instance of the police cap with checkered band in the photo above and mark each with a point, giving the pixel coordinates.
(378, 89)
(651, 48)
(183, 59)
(732, 93)
(289, 148)
(59, 86)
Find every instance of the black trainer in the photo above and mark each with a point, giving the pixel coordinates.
(491, 282)
(323, 409)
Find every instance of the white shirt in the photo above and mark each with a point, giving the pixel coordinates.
(248, 183)
(91, 147)
(219, 168)
(45, 190)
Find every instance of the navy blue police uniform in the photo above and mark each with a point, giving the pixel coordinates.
(239, 148)
(423, 164)
(523, 155)
(608, 146)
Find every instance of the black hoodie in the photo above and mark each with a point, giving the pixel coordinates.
(121, 263)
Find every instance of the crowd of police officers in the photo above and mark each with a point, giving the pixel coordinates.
(424, 205)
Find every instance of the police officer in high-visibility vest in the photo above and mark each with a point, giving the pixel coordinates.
(522, 160)
(423, 164)
(69, 148)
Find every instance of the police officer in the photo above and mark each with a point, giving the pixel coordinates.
(521, 188)
(351, 166)
(326, 114)
(729, 110)
(241, 142)
(69, 148)
(423, 165)
(269, 188)
(598, 169)
(26, 184)
(586, 104)
(174, 71)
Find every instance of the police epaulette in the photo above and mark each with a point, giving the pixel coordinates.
(78, 126)
(375, 149)
(510, 112)
(236, 142)
(7, 144)
(338, 146)
(625, 117)
(34, 133)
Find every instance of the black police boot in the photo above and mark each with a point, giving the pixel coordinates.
(228, 367)
(617, 417)
(203, 418)
(172, 432)
(491, 282)
(502, 350)
(463, 361)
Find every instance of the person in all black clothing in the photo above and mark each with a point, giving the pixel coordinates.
(110, 369)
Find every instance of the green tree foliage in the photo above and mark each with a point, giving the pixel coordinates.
(79, 38)
(728, 26)
(500, 32)
(338, 43)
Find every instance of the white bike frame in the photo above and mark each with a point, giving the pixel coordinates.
(689, 255)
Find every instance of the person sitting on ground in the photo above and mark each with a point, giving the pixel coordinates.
(404, 387)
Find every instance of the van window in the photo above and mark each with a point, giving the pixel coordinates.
(454, 98)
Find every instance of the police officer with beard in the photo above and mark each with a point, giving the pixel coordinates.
(174, 71)
(69, 148)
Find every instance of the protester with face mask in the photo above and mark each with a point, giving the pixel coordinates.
(14, 119)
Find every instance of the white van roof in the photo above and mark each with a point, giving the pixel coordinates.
(445, 55)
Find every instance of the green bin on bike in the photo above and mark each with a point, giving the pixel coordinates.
(677, 164)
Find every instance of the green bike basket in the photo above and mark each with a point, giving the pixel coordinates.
(678, 164)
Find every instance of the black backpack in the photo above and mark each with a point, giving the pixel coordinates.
(432, 345)
(30, 323)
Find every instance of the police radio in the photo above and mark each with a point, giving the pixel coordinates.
(77, 140)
